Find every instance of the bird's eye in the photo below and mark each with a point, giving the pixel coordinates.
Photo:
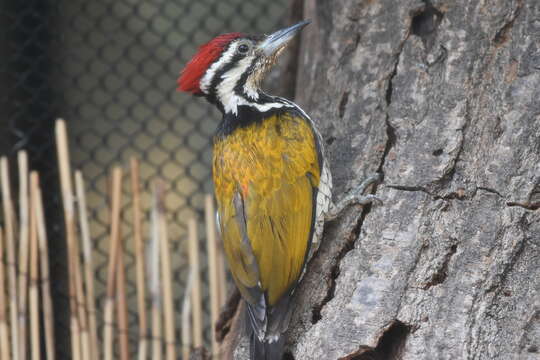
(243, 48)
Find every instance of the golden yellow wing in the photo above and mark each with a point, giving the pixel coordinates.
(266, 177)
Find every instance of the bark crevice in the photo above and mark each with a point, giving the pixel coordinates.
(459, 194)
(525, 205)
(335, 268)
(389, 346)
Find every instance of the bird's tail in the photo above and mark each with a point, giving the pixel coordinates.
(266, 328)
(266, 350)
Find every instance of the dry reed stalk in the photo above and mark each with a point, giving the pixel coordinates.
(186, 313)
(82, 311)
(196, 305)
(88, 264)
(22, 160)
(121, 312)
(211, 247)
(76, 337)
(9, 221)
(154, 286)
(156, 332)
(86, 348)
(69, 222)
(116, 202)
(138, 246)
(34, 271)
(4, 330)
(168, 307)
(48, 315)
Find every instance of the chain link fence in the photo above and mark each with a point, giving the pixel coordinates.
(109, 67)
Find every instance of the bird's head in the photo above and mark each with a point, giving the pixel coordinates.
(229, 69)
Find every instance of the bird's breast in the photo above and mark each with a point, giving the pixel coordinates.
(265, 155)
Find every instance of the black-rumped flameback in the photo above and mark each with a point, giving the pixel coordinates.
(271, 178)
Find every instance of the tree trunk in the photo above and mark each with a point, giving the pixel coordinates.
(442, 98)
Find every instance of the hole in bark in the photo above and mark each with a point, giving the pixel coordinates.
(426, 22)
(343, 104)
(532, 349)
(389, 347)
(438, 152)
(330, 140)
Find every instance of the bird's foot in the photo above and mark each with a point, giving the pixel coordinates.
(357, 197)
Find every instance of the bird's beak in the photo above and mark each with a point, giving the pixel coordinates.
(277, 40)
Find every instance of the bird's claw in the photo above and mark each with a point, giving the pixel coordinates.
(357, 197)
(372, 179)
(368, 199)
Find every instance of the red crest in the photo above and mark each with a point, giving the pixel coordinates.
(190, 77)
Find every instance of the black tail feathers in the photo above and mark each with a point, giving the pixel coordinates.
(265, 350)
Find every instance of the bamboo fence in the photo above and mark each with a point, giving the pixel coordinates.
(26, 311)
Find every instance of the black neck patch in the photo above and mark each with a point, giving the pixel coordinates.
(248, 115)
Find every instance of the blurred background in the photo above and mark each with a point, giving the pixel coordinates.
(109, 68)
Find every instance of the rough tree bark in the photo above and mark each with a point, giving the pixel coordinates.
(443, 98)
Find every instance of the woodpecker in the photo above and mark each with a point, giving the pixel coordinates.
(272, 180)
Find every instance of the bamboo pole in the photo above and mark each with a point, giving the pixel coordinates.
(69, 222)
(4, 328)
(138, 246)
(212, 269)
(22, 160)
(75, 331)
(186, 313)
(154, 287)
(86, 348)
(82, 311)
(121, 313)
(48, 315)
(34, 271)
(9, 222)
(168, 307)
(87, 264)
(196, 291)
(116, 201)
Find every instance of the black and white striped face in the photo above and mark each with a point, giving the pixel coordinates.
(235, 77)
